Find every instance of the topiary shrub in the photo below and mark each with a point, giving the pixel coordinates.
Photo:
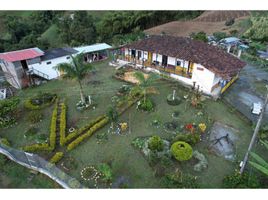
(181, 151)
(146, 105)
(62, 124)
(155, 143)
(35, 116)
(173, 102)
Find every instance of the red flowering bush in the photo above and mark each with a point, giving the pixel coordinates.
(189, 127)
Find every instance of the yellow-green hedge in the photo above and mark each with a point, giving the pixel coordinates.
(93, 129)
(53, 127)
(28, 104)
(56, 158)
(81, 130)
(37, 147)
(62, 124)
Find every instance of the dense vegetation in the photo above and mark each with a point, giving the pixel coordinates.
(41, 28)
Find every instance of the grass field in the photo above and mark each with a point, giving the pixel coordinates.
(127, 161)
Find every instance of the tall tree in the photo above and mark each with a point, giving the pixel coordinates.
(145, 83)
(76, 70)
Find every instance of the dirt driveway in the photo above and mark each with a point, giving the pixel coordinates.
(245, 91)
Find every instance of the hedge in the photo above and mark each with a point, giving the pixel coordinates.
(93, 129)
(28, 104)
(81, 130)
(37, 147)
(53, 128)
(56, 158)
(62, 124)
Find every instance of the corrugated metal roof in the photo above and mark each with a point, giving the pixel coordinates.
(24, 54)
(93, 48)
(58, 52)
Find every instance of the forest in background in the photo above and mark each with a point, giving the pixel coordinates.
(51, 29)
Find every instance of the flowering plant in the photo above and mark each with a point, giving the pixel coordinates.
(202, 127)
(190, 127)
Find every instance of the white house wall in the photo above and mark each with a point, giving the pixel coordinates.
(171, 61)
(49, 68)
(203, 77)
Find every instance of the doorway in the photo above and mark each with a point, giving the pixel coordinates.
(164, 60)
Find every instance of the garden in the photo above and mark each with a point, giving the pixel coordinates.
(152, 134)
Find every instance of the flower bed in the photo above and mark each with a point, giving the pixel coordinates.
(40, 101)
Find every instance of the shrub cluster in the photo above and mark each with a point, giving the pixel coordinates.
(146, 105)
(155, 143)
(35, 116)
(62, 124)
(56, 158)
(93, 129)
(81, 130)
(189, 138)
(7, 110)
(181, 151)
(45, 100)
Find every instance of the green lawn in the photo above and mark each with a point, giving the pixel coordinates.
(126, 160)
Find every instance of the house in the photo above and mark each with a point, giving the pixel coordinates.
(50, 60)
(95, 52)
(194, 63)
(233, 45)
(15, 65)
(24, 67)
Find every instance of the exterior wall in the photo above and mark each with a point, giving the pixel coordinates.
(203, 78)
(10, 68)
(49, 68)
(171, 61)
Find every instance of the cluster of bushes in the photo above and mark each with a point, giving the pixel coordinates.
(155, 143)
(35, 116)
(179, 180)
(40, 101)
(181, 151)
(56, 158)
(62, 124)
(189, 138)
(255, 60)
(146, 105)
(237, 180)
(7, 112)
(81, 130)
(93, 129)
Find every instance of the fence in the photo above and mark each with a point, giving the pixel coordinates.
(35, 162)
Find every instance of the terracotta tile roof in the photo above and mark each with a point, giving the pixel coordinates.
(211, 57)
(24, 54)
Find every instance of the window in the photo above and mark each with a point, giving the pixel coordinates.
(68, 57)
(48, 63)
(178, 63)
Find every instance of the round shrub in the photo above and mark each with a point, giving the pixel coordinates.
(188, 138)
(181, 151)
(173, 102)
(35, 116)
(155, 143)
(146, 105)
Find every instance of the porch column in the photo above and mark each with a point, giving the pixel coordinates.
(228, 48)
(239, 53)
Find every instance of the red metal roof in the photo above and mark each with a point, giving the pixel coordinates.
(24, 54)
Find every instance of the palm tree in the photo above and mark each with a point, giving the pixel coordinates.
(145, 83)
(77, 70)
(260, 163)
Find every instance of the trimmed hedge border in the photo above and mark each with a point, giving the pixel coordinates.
(92, 130)
(52, 137)
(62, 124)
(56, 158)
(28, 104)
(81, 130)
